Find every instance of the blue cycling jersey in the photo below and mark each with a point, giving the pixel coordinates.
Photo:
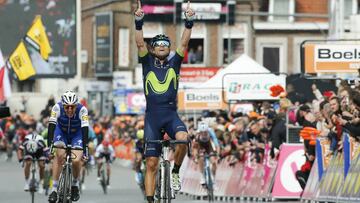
(68, 129)
(161, 81)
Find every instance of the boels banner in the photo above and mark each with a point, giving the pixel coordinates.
(331, 58)
(200, 99)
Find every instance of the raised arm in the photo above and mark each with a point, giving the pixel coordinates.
(185, 38)
(139, 37)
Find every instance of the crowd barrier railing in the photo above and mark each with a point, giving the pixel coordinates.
(248, 179)
(335, 178)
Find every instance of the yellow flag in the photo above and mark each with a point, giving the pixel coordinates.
(37, 37)
(20, 62)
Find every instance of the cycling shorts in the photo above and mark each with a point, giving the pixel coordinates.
(62, 139)
(157, 120)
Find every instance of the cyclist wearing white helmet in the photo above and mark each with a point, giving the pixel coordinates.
(205, 142)
(68, 124)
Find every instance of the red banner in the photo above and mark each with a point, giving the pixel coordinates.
(197, 74)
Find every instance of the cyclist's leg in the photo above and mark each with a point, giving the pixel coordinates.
(76, 142)
(152, 153)
(27, 166)
(99, 162)
(150, 176)
(58, 161)
(177, 130)
(77, 164)
(108, 168)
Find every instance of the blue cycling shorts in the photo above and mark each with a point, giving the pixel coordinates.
(155, 121)
(61, 138)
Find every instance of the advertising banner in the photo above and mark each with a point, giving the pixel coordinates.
(122, 80)
(59, 20)
(200, 99)
(268, 174)
(245, 87)
(290, 160)
(332, 179)
(104, 44)
(129, 101)
(197, 74)
(332, 58)
(124, 47)
(323, 155)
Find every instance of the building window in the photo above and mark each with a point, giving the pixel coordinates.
(24, 86)
(286, 7)
(195, 52)
(350, 8)
(272, 53)
(271, 59)
(237, 49)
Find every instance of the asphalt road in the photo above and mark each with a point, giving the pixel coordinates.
(123, 187)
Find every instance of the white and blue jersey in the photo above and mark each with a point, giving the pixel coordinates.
(68, 130)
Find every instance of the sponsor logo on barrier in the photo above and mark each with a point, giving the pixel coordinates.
(291, 159)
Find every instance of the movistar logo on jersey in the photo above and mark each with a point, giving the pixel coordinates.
(160, 87)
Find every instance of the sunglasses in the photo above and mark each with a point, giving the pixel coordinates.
(69, 106)
(161, 43)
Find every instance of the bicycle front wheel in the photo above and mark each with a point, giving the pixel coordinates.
(65, 186)
(103, 180)
(167, 185)
(209, 184)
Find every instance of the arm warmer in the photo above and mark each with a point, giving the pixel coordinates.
(85, 136)
(51, 130)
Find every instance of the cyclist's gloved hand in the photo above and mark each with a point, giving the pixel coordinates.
(84, 158)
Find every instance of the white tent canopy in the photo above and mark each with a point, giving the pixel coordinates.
(243, 64)
(244, 79)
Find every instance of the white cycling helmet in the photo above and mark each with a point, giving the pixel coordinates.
(69, 98)
(203, 126)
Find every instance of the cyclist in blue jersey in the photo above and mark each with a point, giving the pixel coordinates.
(68, 124)
(161, 69)
(206, 142)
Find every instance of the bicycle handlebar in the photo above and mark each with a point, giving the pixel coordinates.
(67, 147)
(168, 142)
(164, 142)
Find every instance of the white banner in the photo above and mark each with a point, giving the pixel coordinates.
(124, 47)
(122, 79)
(204, 11)
(202, 95)
(251, 86)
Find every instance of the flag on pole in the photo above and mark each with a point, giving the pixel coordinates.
(20, 62)
(5, 88)
(36, 36)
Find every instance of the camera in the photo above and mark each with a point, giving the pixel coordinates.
(4, 111)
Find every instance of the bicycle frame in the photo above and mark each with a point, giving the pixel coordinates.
(163, 177)
(207, 174)
(65, 180)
